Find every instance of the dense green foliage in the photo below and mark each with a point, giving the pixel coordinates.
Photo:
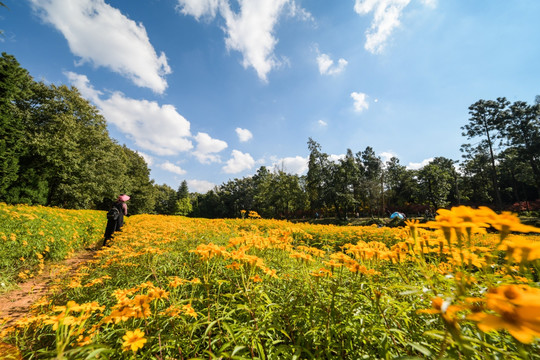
(55, 150)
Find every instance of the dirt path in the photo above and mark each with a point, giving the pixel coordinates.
(16, 304)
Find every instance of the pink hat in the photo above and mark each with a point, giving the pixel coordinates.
(123, 197)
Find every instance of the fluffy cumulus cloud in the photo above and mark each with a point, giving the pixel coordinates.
(244, 135)
(327, 65)
(159, 129)
(291, 165)
(100, 34)
(168, 166)
(416, 166)
(200, 186)
(360, 101)
(238, 162)
(386, 14)
(207, 148)
(250, 30)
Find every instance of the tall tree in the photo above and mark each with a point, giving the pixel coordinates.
(137, 183)
(183, 190)
(435, 182)
(165, 199)
(318, 175)
(284, 195)
(484, 121)
(346, 184)
(400, 185)
(69, 147)
(520, 129)
(183, 202)
(371, 180)
(15, 89)
(476, 172)
(517, 178)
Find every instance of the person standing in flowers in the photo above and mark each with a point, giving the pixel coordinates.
(115, 217)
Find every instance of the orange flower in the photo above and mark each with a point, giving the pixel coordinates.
(234, 266)
(448, 312)
(513, 308)
(506, 222)
(133, 340)
(256, 279)
(188, 310)
(322, 272)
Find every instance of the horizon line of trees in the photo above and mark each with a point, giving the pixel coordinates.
(55, 150)
(500, 169)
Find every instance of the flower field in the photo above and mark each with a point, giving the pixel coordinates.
(171, 287)
(32, 235)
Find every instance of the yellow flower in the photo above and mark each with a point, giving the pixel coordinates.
(176, 282)
(133, 340)
(188, 310)
(171, 311)
(322, 272)
(513, 308)
(522, 250)
(443, 308)
(256, 278)
(234, 266)
(506, 222)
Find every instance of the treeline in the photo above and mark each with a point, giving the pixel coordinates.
(55, 150)
(499, 169)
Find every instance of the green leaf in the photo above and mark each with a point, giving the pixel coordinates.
(425, 351)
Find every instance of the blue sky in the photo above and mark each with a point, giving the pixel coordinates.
(210, 90)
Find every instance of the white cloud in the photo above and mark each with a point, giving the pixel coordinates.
(159, 129)
(238, 162)
(322, 123)
(327, 66)
(147, 158)
(416, 166)
(199, 8)
(100, 34)
(168, 166)
(360, 101)
(249, 31)
(386, 155)
(336, 158)
(301, 13)
(291, 165)
(244, 135)
(200, 186)
(385, 20)
(207, 148)
(430, 3)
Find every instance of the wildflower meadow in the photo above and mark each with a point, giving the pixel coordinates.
(465, 286)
